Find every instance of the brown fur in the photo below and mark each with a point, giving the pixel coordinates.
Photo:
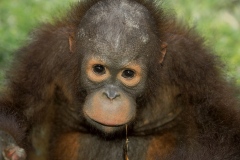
(161, 146)
(188, 110)
(67, 147)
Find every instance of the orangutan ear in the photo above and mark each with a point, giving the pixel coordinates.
(163, 51)
(72, 42)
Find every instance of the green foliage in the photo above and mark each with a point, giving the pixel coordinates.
(217, 20)
(17, 19)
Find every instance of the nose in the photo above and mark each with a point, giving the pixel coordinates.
(111, 92)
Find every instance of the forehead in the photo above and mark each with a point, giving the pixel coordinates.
(117, 29)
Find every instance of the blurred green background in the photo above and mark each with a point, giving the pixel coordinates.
(217, 20)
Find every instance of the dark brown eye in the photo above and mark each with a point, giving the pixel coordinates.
(128, 73)
(99, 69)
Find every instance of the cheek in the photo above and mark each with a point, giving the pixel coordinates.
(139, 89)
(115, 112)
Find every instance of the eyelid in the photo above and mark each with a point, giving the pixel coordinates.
(99, 73)
(128, 69)
(135, 79)
(93, 76)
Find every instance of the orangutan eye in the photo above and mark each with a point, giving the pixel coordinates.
(128, 73)
(99, 69)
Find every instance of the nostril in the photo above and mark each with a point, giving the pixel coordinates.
(111, 94)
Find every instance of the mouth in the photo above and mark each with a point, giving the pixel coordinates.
(105, 127)
(108, 120)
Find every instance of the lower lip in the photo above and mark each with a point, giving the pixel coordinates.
(103, 124)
